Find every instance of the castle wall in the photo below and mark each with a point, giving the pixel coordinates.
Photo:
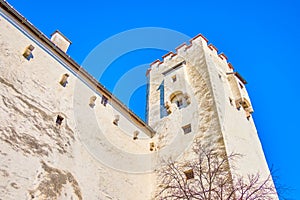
(239, 132)
(193, 96)
(87, 156)
(193, 80)
(220, 104)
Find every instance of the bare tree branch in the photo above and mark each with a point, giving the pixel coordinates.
(212, 179)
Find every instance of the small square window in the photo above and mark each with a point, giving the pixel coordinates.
(104, 100)
(59, 120)
(28, 52)
(187, 129)
(64, 80)
(189, 174)
(174, 78)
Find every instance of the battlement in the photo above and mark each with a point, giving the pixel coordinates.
(60, 120)
(184, 49)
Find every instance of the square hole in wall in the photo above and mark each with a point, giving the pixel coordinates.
(28, 52)
(59, 120)
(64, 80)
(189, 174)
(174, 78)
(187, 129)
(104, 100)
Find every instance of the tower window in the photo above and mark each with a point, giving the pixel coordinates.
(187, 129)
(64, 80)
(181, 100)
(189, 174)
(104, 100)
(59, 120)
(174, 78)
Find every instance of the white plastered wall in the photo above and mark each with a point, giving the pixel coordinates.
(31, 99)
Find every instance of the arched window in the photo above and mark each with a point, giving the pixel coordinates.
(245, 104)
(181, 100)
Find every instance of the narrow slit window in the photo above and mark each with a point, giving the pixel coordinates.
(241, 85)
(187, 129)
(230, 101)
(135, 135)
(59, 120)
(64, 80)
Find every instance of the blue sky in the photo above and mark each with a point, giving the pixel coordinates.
(260, 38)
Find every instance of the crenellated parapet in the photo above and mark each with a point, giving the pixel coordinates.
(236, 82)
(60, 120)
(184, 48)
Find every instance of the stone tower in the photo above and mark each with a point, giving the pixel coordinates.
(64, 136)
(195, 94)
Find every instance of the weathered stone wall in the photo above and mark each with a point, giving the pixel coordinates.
(215, 118)
(200, 113)
(239, 133)
(42, 160)
(87, 156)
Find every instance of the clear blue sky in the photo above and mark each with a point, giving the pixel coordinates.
(260, 38)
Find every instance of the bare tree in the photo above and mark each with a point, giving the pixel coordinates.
(208, 178)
